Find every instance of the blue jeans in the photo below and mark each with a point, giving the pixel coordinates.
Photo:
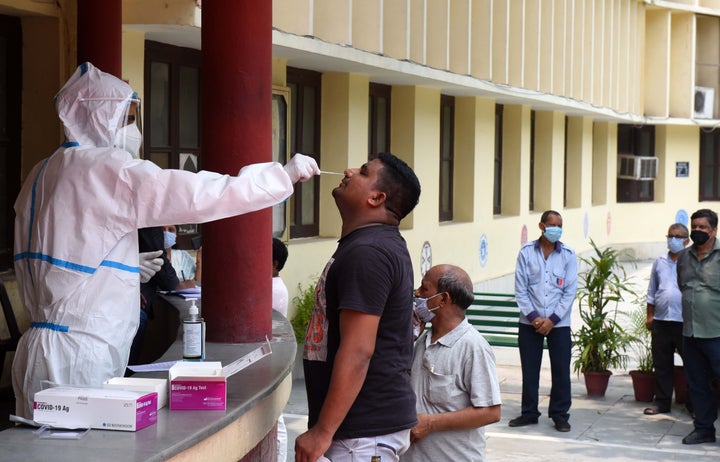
(559, 343)
(702, 362)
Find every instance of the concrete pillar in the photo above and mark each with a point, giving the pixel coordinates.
(516, 159)
(549, 160)
(344, 134)
(236, 131)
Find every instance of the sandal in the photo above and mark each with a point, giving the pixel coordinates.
(655, 411)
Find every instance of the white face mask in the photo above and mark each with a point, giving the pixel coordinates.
(129, 138)
(675, 244)
(169, 239)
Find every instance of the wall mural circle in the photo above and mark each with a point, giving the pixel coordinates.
(425, 258)
(483, 251)
(682, 217)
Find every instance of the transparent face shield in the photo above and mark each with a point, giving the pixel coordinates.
(129, 133)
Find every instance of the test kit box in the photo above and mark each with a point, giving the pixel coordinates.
(158, 386)
(197, 386)
(202, 385)
(101, 408)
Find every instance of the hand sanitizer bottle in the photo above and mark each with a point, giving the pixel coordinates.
(193, 335)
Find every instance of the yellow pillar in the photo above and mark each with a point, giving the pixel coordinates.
(343, 137)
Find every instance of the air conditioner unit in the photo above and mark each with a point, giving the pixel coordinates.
(632, 167)
(704, 102)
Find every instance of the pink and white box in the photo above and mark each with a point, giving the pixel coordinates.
(143, 385)
(197, 386)
(101, 408)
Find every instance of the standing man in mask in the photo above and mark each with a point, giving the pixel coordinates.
(698, 271)
(664, 317)
(76, 240)
(358, 347)
(545, 287)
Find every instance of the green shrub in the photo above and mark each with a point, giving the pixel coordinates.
(641, 338)
(600, 343)
(304, 303)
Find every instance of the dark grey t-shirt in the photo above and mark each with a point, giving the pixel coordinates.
(370, 272)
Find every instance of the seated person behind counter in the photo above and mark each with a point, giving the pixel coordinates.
(151, 239)
(187, 268)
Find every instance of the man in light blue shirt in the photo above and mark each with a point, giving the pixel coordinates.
(545, 287)
(664, 317)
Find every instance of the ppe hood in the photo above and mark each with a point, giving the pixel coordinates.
(92, 105)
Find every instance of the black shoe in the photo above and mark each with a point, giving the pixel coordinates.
(562, 425)
(522, 421)
(696, 438)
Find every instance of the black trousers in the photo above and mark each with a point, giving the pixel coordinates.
(666, 338)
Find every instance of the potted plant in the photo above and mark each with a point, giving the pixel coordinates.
(643, 377)
(600, 343)
(304, 302)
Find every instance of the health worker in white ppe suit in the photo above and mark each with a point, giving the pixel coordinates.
(76, 241)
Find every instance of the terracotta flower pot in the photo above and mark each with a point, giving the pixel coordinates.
(643, 385)
(596, 383)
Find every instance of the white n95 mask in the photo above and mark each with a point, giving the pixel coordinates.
(129, 138)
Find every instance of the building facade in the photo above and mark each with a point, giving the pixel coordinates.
(602, 110)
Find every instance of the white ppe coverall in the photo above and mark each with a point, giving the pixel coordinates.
(76, 244)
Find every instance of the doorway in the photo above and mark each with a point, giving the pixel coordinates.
(10, 123)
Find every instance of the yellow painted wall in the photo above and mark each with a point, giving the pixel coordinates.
(279, 71)
(579, 162)
(682, 64)
(436, 44)
(480, 39)
(516, 159)
(657, 63)
(549, 160)
(331, 20)
(292, 16)
(366, 25)
(515, 44)
(648, 222)
(589, 50)
(459, 37)
(499, 41)
(601, 148)
(559, 79)
(473, 162)
(546, 49)
(395, 30)
(421, 150)
(42, 78)
(484, 163)
(173, 12)
(133, 60)
(343, 137)
(600, 56)
(416, 16)
(531, 66)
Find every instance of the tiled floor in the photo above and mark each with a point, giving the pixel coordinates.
(611, 428)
